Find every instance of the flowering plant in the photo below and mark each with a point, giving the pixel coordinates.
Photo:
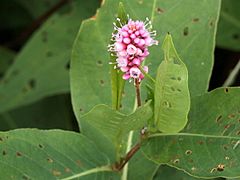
(140, 96)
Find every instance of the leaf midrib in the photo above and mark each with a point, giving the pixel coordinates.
(196, 135)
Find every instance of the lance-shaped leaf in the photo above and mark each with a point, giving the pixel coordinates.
(56, 154)
(42, 67)
(171, 96)
(107, 127)
(49, 113)
(117, 81)
(200, 155)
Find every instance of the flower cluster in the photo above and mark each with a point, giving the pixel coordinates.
(130, 46)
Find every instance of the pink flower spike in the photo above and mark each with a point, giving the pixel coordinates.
(148, 41)
(145, 68)
(126, 40)
(130, 45)
(137, 33)
(141, 76)
(122, 53)
(133, 36)
(124, 69)
(125, 34)
(126, 76)
(122, 62)
(131, 49)
(136, 40)
(139, 52)
(119, 46)
(141, 42)
(135, 72)
(136, 61)
(142, 31)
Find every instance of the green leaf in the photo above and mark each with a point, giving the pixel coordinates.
(216, 113)
(42, 67)
(211, 137)
(117, 82)
(108, 128)
(48, 113)
(6, 59)
(228, 35)
(166, 172)
(34, 154)
(192, 24)
(197, 154)
(36, 8)
(171, 97)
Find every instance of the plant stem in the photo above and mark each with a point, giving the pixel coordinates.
(129, 155)
(138, 95)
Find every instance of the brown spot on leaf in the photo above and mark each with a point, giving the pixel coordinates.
(190, 160)
(79, 163)
(1, 139)
(211, 23)
(226, 90)
(32, 83)
(176, 161)
(4, 152)
(220, 167)
(49, 160)
(225, 147)
(18, 154)
(67, 66)
(188, 152)
(218, 118)
(227, 126)
(200, 142)
(231, 116)
(101, 82)
(160, 10)
(40, 146)
(99, 63)
(56, 172)
(195, 19)
(67, 170)
(185, 31)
